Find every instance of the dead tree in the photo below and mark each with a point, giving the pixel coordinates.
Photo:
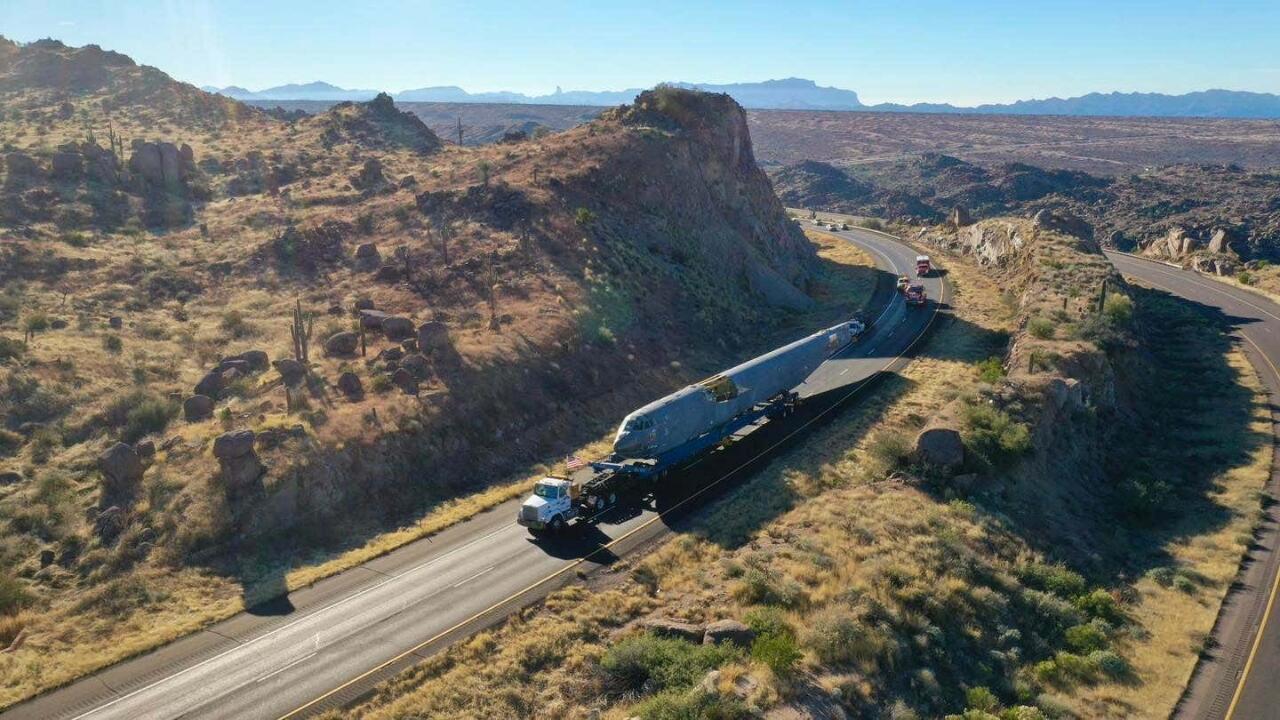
(300, 331)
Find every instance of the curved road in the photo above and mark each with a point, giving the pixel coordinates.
(323, 646)
(1237, 678)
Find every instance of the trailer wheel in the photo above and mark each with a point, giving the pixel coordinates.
(613, 499)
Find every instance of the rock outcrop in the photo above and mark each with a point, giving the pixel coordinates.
(240, 467)
(940, 447)
(122, 471)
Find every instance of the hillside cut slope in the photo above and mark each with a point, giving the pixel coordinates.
(233, 341)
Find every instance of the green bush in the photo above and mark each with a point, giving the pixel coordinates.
(584, 216)
(36, 322)
(991, 370)
(1163, 576)
(993, 436)
(112, 343)
(10, 442)
(1118, 310)
(778, 651)
(234, 324)
(889, 450)
(980, 698)
(644, 662)
(43, 442)
(139, 413)
(768, 621)
(1244, 277)
(1041, 328)
(760, 587)
(1100, 604)
(1086, 638)
(1109, 663)
(1055, 579)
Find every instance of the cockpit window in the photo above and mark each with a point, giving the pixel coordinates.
(637, 423)
(543, 490)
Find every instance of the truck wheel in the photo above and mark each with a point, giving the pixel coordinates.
(557, 525)
(613, 499)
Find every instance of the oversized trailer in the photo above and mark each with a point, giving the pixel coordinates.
(671, 433)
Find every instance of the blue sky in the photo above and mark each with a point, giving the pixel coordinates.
(959, 52)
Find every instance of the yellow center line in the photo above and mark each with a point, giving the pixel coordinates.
(1275, 584)
(301, 708)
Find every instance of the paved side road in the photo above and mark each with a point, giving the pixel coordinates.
(323, 646)
(1238, 677)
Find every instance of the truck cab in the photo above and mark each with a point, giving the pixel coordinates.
(923, 265)
(915, 294)
(551, 506)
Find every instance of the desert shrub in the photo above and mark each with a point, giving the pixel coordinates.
(1118, 309)
(1049, 615)
(1041, 328)
(139, 413)
(119, 598)
(1109, 663)
(10, 303)
(1055, 579)
(644, 662)
(1184, 584)
(1163, 575)
(36, 322)
(43, 443)
(761, 587)
(234, 324)
(380, 383)
(1100, 604)
(980, 698)
(991, 370)
(889, 450)
(837, 637)
(24, 399)
(993, 436)
(13, 595)
(778, 651)
(11, 349)
(366, 223)
(584, 216)
(1244, 277)
(692, 705)
(152, 331)
(112, 343)
(768, 621)
(871, 223)
(1086, 638)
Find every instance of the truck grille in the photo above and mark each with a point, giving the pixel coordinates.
(528, 514)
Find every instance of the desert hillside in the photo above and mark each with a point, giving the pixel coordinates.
(990, 535)
(234, 343)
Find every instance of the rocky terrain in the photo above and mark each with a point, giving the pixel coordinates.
(1211, 216)
(993, 534)
(235, 343)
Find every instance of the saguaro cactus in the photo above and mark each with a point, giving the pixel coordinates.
(301, 330)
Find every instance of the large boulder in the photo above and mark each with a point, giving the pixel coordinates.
(405, 380)
(240, 466)
(197, 408)
(959, 217)
(248, 361)
(68, 166)
(417, 365)
(121, 471)
(372, 319)
(728, 631)
(211, 384)
(433, 335)
(349, 384)
(1220, 241)
(109, 523)
(291, 371)
(368, 258)
(397, 328)
(342, 343)
(940, 447)
(664, 627)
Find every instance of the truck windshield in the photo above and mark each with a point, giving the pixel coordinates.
(546, 491)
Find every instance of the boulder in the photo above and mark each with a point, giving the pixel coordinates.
(433, 335)
(146, 450)
(115, 322)
(404, 380)
(416, 364)
(663, 627)
(211, 384)
(109, 524)
(1063, 222)
(290, 370)
(387, 273)
(248, 361)
(349, 384)
(372, 319)
(364, 303)
(197, 408)
(397, 328)
(46, 557)
(959, 217)
(342, 343)
(1219, 241)
(9, 477)
(391, 354)
(939, 446)
(121, 471)
(728, 631)
(240, 366)
(368, 258)
(410, 345)
(240, 467)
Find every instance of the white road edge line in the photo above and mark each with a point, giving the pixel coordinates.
(464, 581)
(273, 673)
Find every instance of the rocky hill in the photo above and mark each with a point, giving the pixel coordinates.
(221, 328)
(1241, 208)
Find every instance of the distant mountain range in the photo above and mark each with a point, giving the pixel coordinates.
(800, 94)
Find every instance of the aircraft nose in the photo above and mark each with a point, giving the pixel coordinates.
(626, 443)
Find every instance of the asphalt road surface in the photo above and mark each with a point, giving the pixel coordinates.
(323, 646)
(1237, 678)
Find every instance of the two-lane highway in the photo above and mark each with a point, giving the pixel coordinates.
(1237, 677)
(331, 642)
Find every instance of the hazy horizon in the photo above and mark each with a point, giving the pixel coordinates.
(930, 51)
